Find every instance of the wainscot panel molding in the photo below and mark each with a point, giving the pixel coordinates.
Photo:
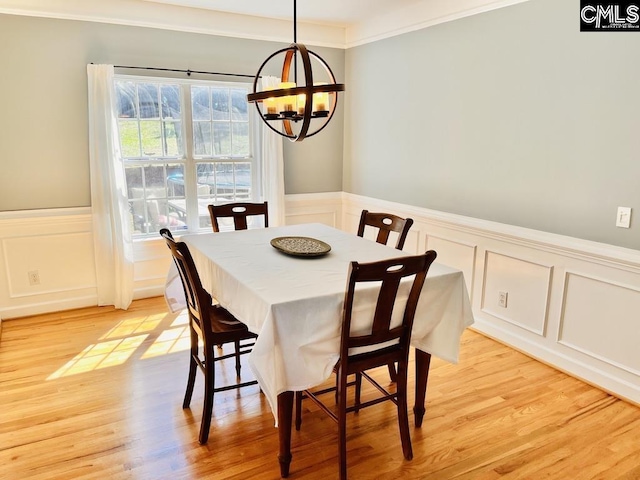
(314, 208)
(516, 291)
(594, 310)
(571, 303)
(457, 254)
(152, 260)
(46, 259)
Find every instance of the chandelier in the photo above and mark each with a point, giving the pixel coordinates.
(297, 109)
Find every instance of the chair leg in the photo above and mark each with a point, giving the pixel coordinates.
(207, 410)
(393, 375)
(336, 391)
(298, 410)
(191, 380)
(403, 416)
(342, 425)
(358, 391)
(237, 344)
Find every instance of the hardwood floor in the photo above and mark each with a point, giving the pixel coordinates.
(97, 393)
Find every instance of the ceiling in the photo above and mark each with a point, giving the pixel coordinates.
(331, 23)
(338, 13)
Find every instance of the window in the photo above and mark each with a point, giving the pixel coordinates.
(184, 144)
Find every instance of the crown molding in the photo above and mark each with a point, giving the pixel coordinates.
(418, 16)
(142, 13)
(171, 17)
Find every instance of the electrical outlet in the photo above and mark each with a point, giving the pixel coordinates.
(34, 277)
(502, 299)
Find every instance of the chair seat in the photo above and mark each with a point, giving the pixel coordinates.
(225, 317)
(223, 322)
(376, 358)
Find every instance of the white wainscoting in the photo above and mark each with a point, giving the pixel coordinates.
(571, 303)
(524, 287)
(57, 246)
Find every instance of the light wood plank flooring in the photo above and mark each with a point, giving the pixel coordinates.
(97, 393)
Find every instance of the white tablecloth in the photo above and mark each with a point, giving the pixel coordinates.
(295, 304)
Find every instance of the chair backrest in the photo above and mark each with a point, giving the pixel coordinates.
(389, 274)
(385, 223)
(198, 299)
(239, 212)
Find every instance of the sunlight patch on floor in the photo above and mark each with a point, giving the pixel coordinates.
(132, 326)
(169, 341)
(118, 345)
(100, 355)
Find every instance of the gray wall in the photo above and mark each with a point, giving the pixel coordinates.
(511, 115)
(43, 102)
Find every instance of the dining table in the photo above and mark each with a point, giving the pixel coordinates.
(292, 297)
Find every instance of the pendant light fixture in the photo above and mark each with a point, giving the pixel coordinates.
(302, 105)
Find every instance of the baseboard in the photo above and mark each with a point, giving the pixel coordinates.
(49, 306)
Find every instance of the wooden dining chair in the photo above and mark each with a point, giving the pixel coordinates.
(373, 343)
(239, 212)
(385, 223)
(209, 325)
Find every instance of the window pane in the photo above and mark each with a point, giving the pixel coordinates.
(175, 181)
(151, 138)
(205, 175)
(205, 190)
(129, 138)
(220, 102)
(135, 193)
(243, 180)
(126, 99)
(240, 139)
(224, 186)
(154, 176)
(221, 139)
(200, 103)
(202, 138)
(176, 205)
(157, 216)
(133, 175)
(239, 105)
(170, 101)
(148, 100)
(173, 139)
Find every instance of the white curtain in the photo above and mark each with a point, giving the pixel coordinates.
(113, 246)
(272, 166)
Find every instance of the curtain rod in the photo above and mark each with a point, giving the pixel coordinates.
(188, 72)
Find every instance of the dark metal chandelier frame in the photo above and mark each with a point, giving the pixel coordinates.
(305, 113)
